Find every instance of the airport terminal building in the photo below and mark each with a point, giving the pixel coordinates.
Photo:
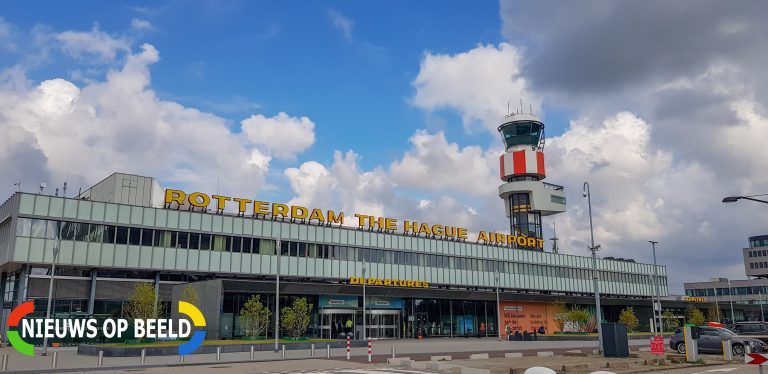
(422, 279)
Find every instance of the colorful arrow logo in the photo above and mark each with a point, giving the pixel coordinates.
(198, 321)
(14, 338)
(755, 359)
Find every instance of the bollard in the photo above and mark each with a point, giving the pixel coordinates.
(181, 358)
(312, 350)
(283, 349)
(55, 358)
(251, 352)
(218, 353)
(327, 351)
(143, 356)
(101, 359)
(5, 362)
(369, 349)
(393, 351)
(347, 347)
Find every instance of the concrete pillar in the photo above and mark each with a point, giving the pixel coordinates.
(23, 284)
(157, 288)
(92, 297)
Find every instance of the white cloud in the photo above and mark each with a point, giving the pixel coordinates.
(141, 25)
(342, 23)
(94, 43)
(433, 164)
(119, 124)
(284, 136)
(478, 83)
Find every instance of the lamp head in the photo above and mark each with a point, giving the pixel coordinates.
(731, 199)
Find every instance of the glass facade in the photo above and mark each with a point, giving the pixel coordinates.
(522, 219)
(521, 133)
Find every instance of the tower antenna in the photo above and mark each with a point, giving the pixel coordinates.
(554, 238)
(507, 108)
(521, 105)
(530, 107)
(64, 191)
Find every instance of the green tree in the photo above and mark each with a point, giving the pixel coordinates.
(713, 313)
(295, 319)
(560, 314)
(628, 317)
(190, 295)
(578, 317)
(254, 317)
(670, 321)
(141, 304)
(694, 316)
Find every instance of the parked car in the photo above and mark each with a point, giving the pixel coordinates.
(710, 341)
(756, 329)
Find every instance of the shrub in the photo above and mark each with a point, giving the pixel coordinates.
(254, 317)
(628, 317)
(295, 319)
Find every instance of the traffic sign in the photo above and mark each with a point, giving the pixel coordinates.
(657, 345)
(756, 359)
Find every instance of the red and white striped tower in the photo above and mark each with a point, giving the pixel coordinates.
(526, 197)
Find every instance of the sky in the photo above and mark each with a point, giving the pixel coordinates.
(391, 109)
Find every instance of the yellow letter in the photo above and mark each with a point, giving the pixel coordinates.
(241, 203)
(360, 220)
(260, 207)
(333, 218)
(482, 236)
(408, 225)
(531, 242)
(298, 212)
(194, 201)
(279, 209)
(424, 229)
(521, 240)
(354, 280)
(501, 238)
(437, 230)
(318, 215)
(177, 196)
(462, 233)
(220, 201)
(425, 284)
(391, 224)
(540, 243)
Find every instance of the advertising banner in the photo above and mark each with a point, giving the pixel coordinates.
(527, 316)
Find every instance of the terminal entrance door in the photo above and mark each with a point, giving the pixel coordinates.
(383, 324)
(335, 323)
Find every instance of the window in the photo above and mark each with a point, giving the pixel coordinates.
(163, 238)
(205, 242)
(134, 236)
(38, 228)
(121, 235)
(247, 245)
(237, 244)
(109, 234)
(219, 243)
(81, 234)
(267, 247)
(146, 237)
(194, 240)
(24, 227)
(182, 240)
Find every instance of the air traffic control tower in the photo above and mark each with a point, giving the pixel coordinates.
(526, 196)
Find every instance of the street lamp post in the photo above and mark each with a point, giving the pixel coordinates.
(733, 199)
(364, 282)
(498, 309)
(277, 298)
(656, 322)
(717, 305)
(56, 245)
(595, 277)
(730, 299)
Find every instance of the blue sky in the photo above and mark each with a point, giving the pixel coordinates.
(236, 58)
(415, 91)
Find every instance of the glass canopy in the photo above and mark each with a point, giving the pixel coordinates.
(521, 133)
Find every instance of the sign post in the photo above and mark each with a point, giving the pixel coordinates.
(657, 347)
(756, 359)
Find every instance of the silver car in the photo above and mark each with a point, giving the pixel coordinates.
(711, 341)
